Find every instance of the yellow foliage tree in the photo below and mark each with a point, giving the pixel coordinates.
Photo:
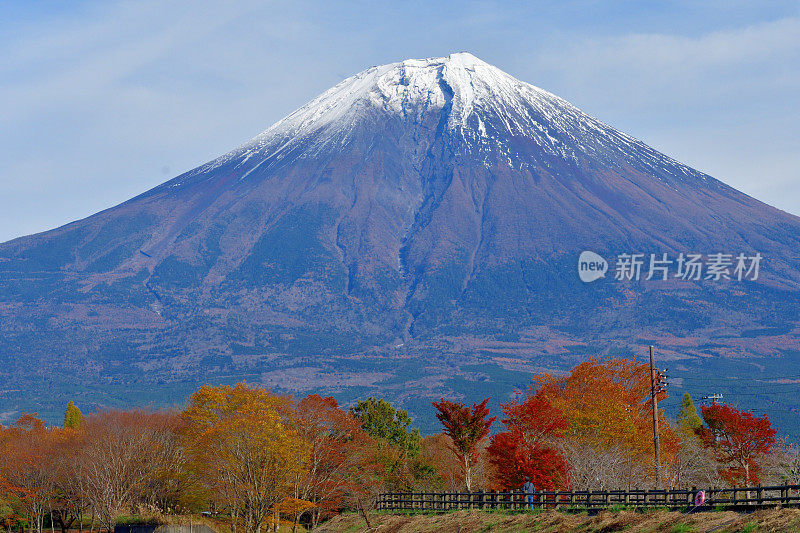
(242, 445)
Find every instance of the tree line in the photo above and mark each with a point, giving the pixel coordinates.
(250, 457)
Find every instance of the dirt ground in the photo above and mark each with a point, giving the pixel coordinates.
(553, 521)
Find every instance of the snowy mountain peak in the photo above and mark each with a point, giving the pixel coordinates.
(460, 84)
(494, 116)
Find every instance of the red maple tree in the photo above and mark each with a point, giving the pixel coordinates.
(739, 438)
(528, 449)
(466, 428)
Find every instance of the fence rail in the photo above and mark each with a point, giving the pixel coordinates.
(590, 499)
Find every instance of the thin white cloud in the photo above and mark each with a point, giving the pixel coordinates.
(761, 42)
(719, 101)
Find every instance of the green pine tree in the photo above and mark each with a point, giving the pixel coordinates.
(687, 416)
(72, 416)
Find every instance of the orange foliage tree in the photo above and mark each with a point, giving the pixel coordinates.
(25, 471)
(437, 451)
(608, 441)
(336, 452)
(37, 475)
(739, 439)
(466, 428)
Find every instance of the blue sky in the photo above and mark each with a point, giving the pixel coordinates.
(100, 101)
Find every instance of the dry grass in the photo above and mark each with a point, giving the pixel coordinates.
(557, 522)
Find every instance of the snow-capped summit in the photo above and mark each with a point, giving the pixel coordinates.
(495, 116)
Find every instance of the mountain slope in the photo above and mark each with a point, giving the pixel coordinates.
(415, 229)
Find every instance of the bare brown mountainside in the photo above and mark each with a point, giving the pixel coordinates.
(412, 232)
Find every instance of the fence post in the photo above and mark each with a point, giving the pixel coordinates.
(759, 495)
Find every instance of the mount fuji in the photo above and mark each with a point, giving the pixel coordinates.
(412, 232)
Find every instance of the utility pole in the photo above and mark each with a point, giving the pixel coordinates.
(656, 441)
(713, 398)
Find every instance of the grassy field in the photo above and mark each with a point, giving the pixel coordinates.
(553, 521)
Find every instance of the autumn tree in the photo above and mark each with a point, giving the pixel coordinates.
(466, 428)
(437, 451)
(368, 480)
(66, 500)
(608, 442)
(347, 468)
(24, 470)
(529, 446)
(24, 480)
(740, 440)
(338, 448)
(120, 456)
(294, 508)
(242, 444)
(72, 416)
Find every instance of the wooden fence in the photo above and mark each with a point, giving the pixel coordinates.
(589, 499)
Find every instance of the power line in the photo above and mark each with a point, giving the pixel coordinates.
(789, 380)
